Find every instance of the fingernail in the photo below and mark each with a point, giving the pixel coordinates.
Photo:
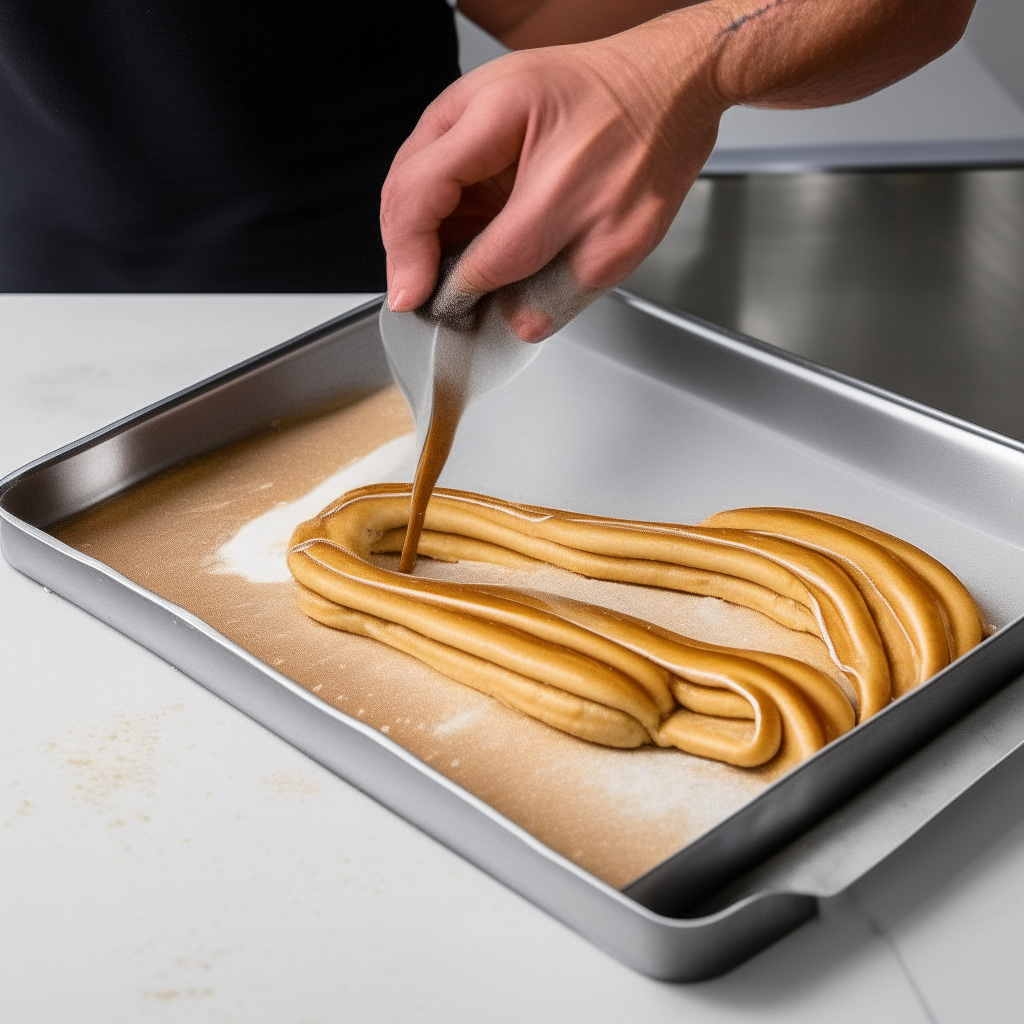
(397, 303)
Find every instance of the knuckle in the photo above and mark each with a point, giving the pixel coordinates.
(480, 276)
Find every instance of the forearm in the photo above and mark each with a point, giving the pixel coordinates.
(588, 149)
(799, 53)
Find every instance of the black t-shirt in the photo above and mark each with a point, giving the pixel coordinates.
(200, 145)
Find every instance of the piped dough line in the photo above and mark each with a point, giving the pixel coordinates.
(616, 674)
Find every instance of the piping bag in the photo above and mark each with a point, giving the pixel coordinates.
(457, 348)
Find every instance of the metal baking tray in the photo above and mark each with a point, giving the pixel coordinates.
(633, 410)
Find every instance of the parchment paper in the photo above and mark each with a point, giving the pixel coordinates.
(210, 535)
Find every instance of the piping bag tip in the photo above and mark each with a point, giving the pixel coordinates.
(459, 346)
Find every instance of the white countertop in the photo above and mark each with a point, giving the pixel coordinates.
(167, 859)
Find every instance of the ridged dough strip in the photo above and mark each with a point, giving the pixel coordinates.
(965, 624)
(663, 556)
(903, 606)
(609, 677)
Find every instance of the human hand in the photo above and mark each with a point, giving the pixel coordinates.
(586, 150)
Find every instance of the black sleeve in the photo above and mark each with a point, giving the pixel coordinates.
(199, 145)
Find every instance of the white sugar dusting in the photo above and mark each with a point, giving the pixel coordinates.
(257, 552)
(461, 721)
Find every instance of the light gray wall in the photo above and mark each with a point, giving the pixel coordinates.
(476, 47)
(996, 35)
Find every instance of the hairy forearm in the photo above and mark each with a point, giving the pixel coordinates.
(799, 53)
(777, 53)
(588, 149)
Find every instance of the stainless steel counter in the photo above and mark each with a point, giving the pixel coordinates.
(910, 280)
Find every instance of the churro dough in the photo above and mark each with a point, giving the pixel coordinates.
(889, 614)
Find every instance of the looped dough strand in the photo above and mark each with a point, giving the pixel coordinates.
(888, 618)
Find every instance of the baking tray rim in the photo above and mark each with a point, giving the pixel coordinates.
(187, 393)
(711, 332)
(732, 340)
(808, 368)
(727, 338)
(368, 732)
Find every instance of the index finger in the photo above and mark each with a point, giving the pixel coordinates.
(426, 187)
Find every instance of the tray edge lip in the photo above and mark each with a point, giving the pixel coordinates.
(604, 889)
(946, 804)
(539, 847)
(716, 334)
(773, 354)
(195, 390)
(725, 337)
(692, 923)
